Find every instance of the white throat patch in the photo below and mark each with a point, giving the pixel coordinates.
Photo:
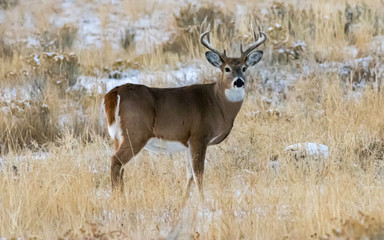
(235, 94)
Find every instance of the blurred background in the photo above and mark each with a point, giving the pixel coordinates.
(304, 159)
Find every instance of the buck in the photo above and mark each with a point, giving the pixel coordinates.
(175, 119)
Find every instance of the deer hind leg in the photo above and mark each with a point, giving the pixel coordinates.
(123, 155)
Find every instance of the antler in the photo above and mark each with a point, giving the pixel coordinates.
(204, 32)
(258, 41)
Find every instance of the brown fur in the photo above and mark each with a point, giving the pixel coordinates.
(110, 102)
(196, 116)
(191, 115)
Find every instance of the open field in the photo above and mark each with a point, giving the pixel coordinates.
(320, 81)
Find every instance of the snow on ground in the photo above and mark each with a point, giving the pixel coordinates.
(174, 78)
(94, 28)
(14, 98)
(377, 45)
(8, 95)
(151, 31)
(314, 150)
(11, 161)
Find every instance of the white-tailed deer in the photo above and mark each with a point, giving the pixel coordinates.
(174, 119)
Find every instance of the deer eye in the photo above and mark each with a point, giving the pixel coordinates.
(244, 69)
(227, 69)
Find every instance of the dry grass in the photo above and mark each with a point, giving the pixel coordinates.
(69, 189)
(54, 173)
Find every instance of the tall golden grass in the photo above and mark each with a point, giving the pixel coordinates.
(54, 179)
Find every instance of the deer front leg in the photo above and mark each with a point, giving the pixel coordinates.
(197, 155)
(188, 164)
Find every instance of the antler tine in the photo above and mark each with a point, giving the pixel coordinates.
(258, 41)
(205, 33)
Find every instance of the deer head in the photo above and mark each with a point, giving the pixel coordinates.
(233, 69)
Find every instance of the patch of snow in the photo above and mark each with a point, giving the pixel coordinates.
(377, 45)
(116, 74)
(264, 11)
(315, 150)
(68, 119)
(151, 31)
(50, 54)
(241, 11)
(36, 59)
(274, 165)
(40, 155)
(247, 171)
(108, 215)
(32, 42)
(9, 95)
(2, 15)
(300, 44)
(351, 50)
(95, 30)
(253, 114)
(59, 57)
(208, 214)
(103, 85)
(64, 120)
(181, 77)
(90, 31)
(5, 110)
(367, 67)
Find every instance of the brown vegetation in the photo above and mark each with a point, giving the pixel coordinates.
(319, 81)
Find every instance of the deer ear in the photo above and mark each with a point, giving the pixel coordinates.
(214, 59)
(254, 58)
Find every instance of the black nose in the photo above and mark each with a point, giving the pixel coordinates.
(238, 83)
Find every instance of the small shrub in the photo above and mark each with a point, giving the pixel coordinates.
(364, 71)
(6, 4)
(126, 38)
(54, 69)
(66, 36)
(116, 70)
(361, 227)
(58, 39)
(362, 14)
(6, 50)
(285, 26)
(285, 50)
(188, 24)
(27, 121)
(48, 40)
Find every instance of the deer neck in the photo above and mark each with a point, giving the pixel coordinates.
(229, 105)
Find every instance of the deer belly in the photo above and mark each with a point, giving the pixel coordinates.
(164, 146)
